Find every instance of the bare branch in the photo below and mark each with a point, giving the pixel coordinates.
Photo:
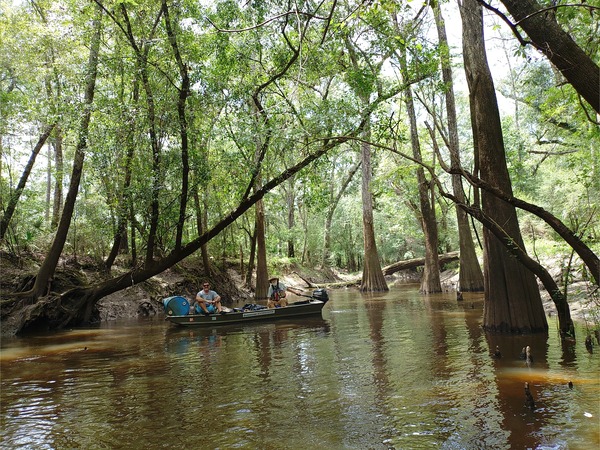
(294, 12)
(511, 25)
(555, 7)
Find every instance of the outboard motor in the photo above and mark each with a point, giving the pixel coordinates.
(321, 294)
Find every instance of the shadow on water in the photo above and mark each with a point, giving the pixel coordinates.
(396, 370)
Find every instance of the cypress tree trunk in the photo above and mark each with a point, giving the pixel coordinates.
(512, 299)
(372, 278)
(431, 271)
(470, 275)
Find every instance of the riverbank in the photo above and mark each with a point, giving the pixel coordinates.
(140, 300)
(145, 299)
(583, 304)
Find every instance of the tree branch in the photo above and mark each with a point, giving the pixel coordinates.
(294, 12)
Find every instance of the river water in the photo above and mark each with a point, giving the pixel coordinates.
(392, 371)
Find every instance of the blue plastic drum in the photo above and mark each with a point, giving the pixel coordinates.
(176, 306)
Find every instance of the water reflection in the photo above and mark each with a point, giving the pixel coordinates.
(394, 370)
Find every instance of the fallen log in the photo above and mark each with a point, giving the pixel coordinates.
(340, 284)
(416, 262)
(396, 267)
(309, 283)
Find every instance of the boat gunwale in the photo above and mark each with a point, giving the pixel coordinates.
(314, 306)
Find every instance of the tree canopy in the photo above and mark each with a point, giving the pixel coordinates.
(165, 122)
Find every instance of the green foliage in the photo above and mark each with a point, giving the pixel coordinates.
(552, 147)
(551, 150)
(581, 22)
(361, 81)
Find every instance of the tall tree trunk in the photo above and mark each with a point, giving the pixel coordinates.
(290, 200)
(141, 53)
(156, 172)
(512, 299)
(59, 170)
(125, 197)
(431, 271)
(14, 198)
(470, 275)
(204, 247)
(124, 201)
(549, 38)
(252, 256)
(53, 87)
(48, 267)
(262, 276)
(133, 242)
(184, 92)
(48, 184)
(201, 219)
(331, 210)
(373, 279)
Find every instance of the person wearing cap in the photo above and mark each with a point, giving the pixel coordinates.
(276, 294)
(207, 301)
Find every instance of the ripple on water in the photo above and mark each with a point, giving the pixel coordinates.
(392, 371)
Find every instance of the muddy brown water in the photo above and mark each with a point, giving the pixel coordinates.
(392, 371)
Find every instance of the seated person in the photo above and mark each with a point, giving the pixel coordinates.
(276, 294)
(207, 301)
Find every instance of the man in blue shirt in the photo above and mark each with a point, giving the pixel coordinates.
(207, 301)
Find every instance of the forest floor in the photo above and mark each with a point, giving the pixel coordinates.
(186, 278)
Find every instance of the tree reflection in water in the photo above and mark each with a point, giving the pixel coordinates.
(393, 370)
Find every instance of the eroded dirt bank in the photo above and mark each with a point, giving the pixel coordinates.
(186, 278)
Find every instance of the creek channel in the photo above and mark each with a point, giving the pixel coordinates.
(397, 370)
